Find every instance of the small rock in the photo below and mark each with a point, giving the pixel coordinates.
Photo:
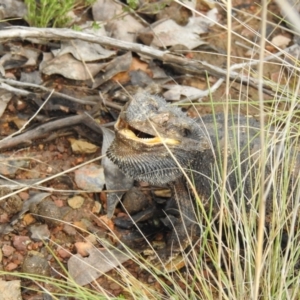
(21, 242)
(12, 204)
(151, 279)
(63, 253)
(48, 211)
(83, 248)
(39, 232)
(28, 219)
(70, 230)
(10, 267)
(4, 218)
(8, 250)
(114, 286)
(10, 290)
(35, 263)
(96, 208)
(90, 178)
(24, 195)
(135, 201)
(76, 202)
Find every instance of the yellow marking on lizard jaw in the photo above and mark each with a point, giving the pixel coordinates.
(156, 140)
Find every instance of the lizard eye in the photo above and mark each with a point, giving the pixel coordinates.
(186, 132)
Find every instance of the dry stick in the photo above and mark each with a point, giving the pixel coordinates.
(190, 66)
(202, 94)
(40, 131)
(6, 84)
(27, 123)
(14, 90)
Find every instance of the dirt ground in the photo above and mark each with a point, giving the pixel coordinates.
(50, 124)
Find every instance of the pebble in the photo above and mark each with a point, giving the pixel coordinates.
(35, 263)
(12, 204)
(70, 230)
(11, 266)
(135, 200)
(47, 210)
(90, 177)
(76, 202)
(39, 232)
(8, 250)
(21, 242)
(114, 286)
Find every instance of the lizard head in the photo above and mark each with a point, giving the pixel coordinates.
(153, 139)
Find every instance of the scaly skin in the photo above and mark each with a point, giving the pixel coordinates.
(155, 141)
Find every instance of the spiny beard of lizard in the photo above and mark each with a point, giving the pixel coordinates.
(147, 132)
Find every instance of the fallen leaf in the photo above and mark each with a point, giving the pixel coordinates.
(119, 25)
(32, 77)
(84, 270)
(166, 33)
(85, 51)
(80, 225)
(69, 67)
(125, 28)
(105, 10)
(119, 64)
(136, 65)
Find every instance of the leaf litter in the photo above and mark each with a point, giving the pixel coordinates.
(77, 69)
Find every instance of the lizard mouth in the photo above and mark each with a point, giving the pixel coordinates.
(134, 134)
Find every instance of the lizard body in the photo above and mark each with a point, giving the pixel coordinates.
(156, 142)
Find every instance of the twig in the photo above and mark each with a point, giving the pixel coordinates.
(256, 61)
(14, 90)
(41, 131)
(8, 83)
(28, 122)
(202, 94)
(194, 67)
(109, 103)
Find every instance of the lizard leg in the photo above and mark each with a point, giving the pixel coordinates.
(184, 228)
